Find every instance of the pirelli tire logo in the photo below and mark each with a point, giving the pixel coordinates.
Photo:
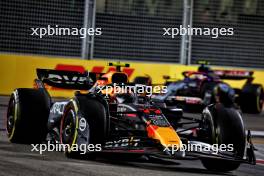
(82, 124)
(124, 142)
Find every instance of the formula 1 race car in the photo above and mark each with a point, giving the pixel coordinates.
(196, 90)
(125, 122)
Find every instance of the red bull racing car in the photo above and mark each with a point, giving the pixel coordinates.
(125, 122)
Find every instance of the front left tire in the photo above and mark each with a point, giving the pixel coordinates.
(27, 116)
(84, 122)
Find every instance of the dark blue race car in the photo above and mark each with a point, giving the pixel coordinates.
(199, 89)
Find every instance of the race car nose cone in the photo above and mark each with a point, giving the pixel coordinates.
(166, 135)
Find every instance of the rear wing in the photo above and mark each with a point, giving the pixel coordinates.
(68, 79)
(234, 74)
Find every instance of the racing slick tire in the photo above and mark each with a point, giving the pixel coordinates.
(252, 98)
(95, 122)
(225, 127)
(27, 116)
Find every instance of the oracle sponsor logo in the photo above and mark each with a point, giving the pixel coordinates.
(95, 69)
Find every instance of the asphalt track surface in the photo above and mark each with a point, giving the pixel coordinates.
(17, 159)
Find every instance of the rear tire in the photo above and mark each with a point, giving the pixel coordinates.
(27, 116)
(226, 128)
(252, 98)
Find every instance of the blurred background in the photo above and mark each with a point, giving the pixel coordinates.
(132, 30)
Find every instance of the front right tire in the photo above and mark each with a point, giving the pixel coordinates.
(225, 127)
